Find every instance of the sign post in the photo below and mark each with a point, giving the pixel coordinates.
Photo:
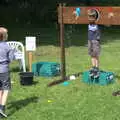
(30, 47)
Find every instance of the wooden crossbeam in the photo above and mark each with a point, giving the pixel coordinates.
(107, 15)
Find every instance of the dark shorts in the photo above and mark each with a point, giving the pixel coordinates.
(5, 83)
(94, 48)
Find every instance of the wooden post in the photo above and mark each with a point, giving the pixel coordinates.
(30, 47)
(30, 59)
(63, 71)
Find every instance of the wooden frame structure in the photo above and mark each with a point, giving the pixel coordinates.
(109, 15)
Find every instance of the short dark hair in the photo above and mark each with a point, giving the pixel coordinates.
(1, 36)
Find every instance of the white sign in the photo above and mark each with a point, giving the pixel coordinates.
(30, 43)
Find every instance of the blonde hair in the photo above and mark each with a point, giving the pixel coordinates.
(92, 12)
(3, 32)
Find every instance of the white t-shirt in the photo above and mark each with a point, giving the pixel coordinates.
(92, 27)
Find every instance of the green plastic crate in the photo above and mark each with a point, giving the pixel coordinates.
(104, 78)
(47, 69)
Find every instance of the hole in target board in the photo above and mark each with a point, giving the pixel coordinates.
(93, 14)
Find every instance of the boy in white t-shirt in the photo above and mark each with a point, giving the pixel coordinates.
(93, 41)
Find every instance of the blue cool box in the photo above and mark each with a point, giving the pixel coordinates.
(46, 69)
(104, 78)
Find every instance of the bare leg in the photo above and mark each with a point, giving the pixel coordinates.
(1, 93)
(97, 61)
(93, 60)
(4, 97)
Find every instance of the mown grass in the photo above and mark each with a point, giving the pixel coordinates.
(77, 101)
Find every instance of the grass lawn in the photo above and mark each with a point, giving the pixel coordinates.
(77, 101)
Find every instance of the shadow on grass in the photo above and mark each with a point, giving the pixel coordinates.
(17, 105)
(117, 76)
(29, 84)
(56, 82)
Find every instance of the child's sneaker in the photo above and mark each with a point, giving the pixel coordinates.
(2, 113)
(91, 72)
(96, 75)
(96, 72)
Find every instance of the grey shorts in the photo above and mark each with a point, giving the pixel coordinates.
(5, 83)
(94, 48)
